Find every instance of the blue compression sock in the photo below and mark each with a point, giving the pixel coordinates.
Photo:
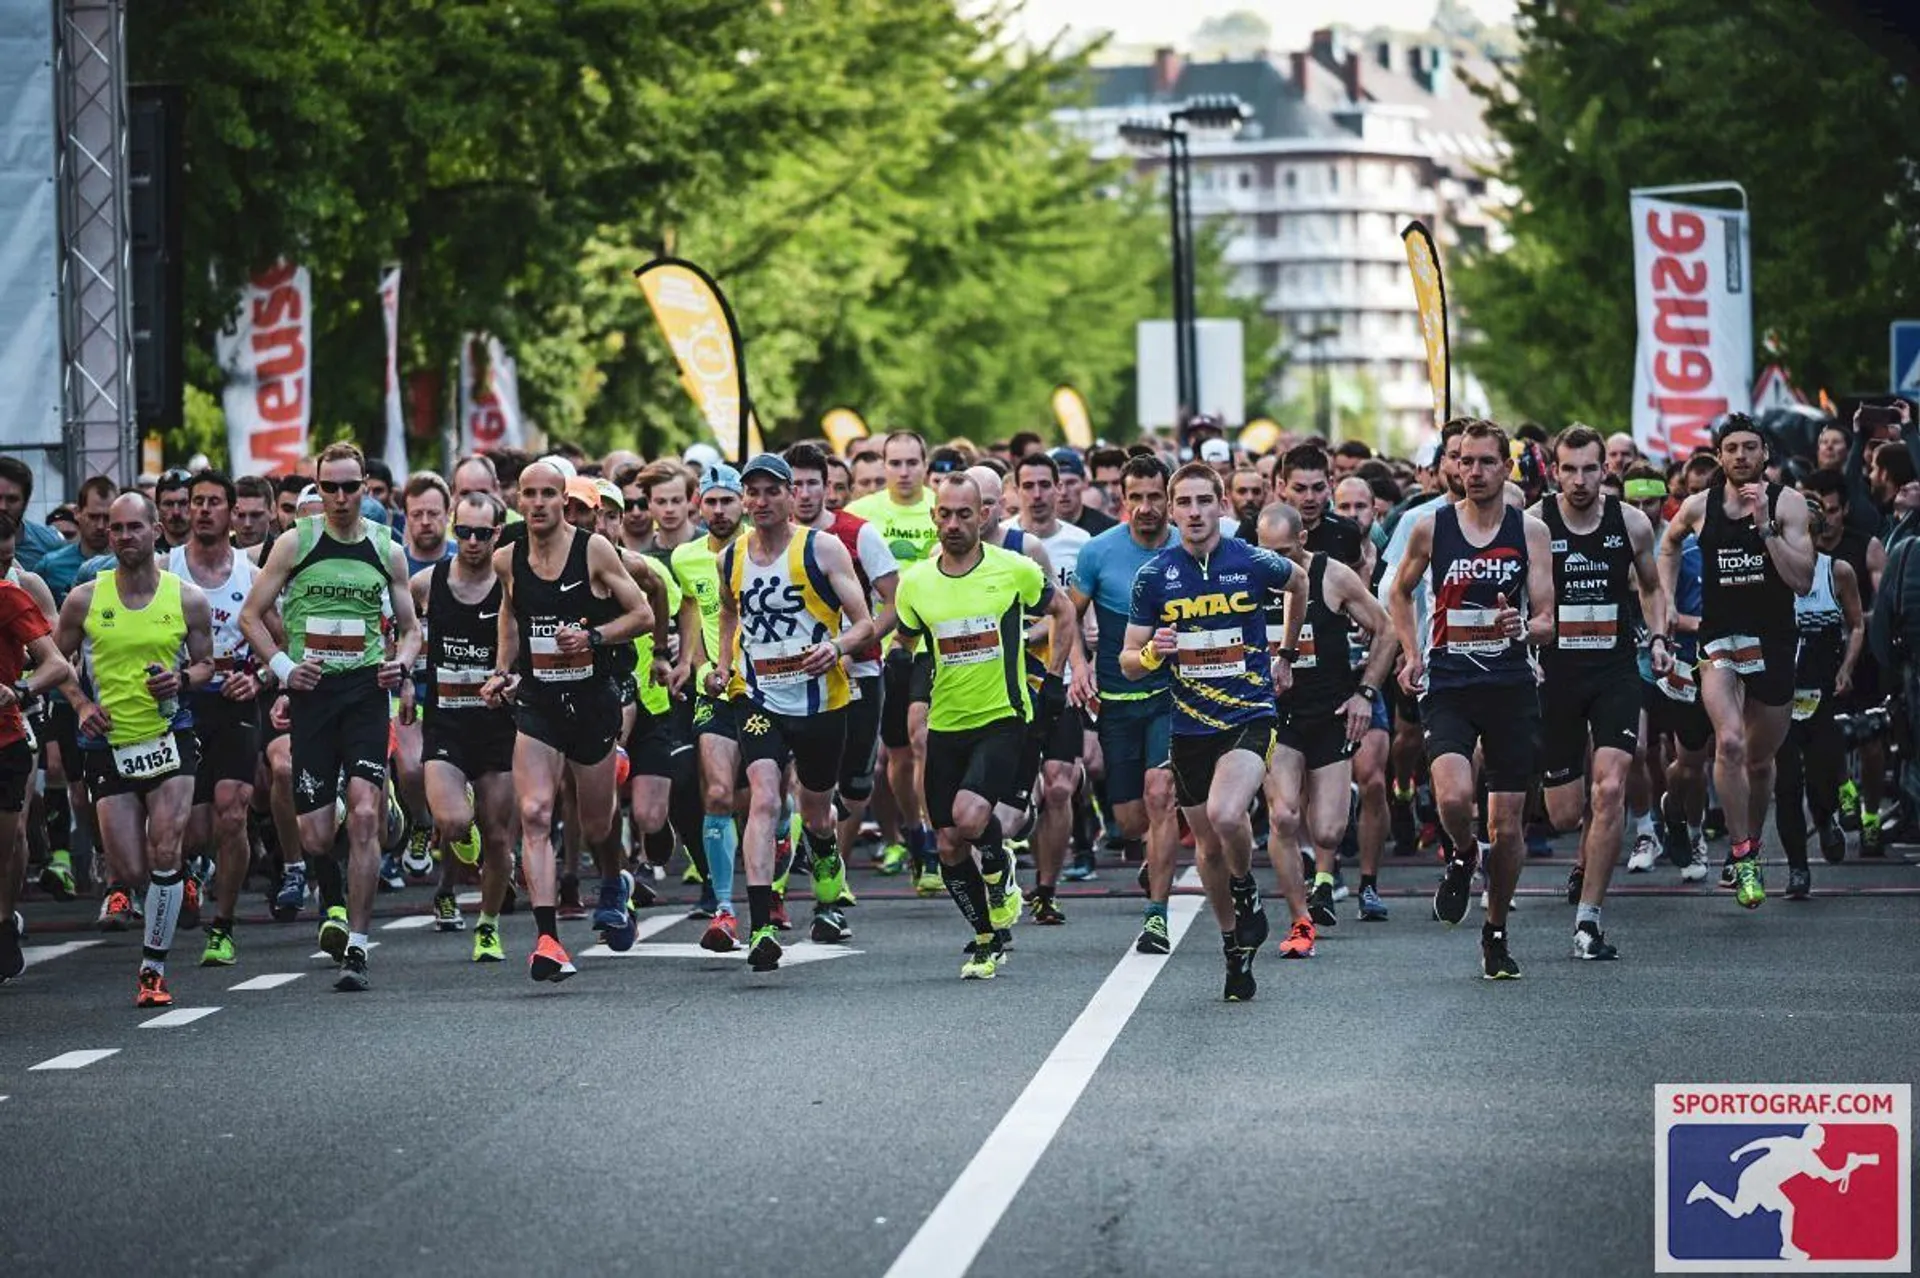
(719, 840)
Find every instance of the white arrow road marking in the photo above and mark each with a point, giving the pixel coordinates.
(792, 955)
(41, 953)
(271, 981)
(409, 923)
(75, 1060)
(178, 1016)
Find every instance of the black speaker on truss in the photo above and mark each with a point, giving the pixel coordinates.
(155, 114)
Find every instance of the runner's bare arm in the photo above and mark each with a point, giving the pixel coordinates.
(37, 588)
(417, 587)
(1792, 546)
(1846, 588)
(1138, 638)
(1540, 618)
(1413, 566)
(199, 618)
(642, 571)
(607, 572)
(70, 630)
(406, 622)
(1653, 600)
(506, 649)
(887, 620)
(1347, 592)
(52, 670)
(693, 646)
(1042, 627)
(838, 565)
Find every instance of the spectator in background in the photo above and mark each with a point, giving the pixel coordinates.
(1218, 453)
(252, 510)
(1248, 494)
(839, 483)
(1070, 498)
(286, 502)
(62, 521)
(36, 540)
(869, 472)
(176, 512)
(61, 568)
(1021, 444)
(1830, 447)
(1621, 453)
(1103, 469)
(380, 482)
(1349, 457)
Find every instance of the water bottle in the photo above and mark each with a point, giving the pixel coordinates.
(168, 706)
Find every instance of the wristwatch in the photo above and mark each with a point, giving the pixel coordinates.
(1288, 655)
(594, 639)
(1368, 691)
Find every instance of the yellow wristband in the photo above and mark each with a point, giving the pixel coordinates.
(1150, 657)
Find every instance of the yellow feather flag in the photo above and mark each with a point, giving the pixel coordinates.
(1261, 434)
(705, 338)
(1070, 410)
(842, 426)
(1430, 292)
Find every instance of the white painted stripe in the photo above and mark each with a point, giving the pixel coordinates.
(178, 1016)
(1190, 878)
(467, 899)
(410, 923)
(271, 981)
(76, 1060)
(372, 945)
(41, 953)
(947, 1244)
(645, 930)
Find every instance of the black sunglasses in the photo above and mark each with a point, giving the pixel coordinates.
(474, 532)
(340, 485)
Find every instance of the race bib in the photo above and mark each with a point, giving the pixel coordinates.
(1475, 632)
(1678, 684)
(1211, 654)
(550, 665)
(144, 760)
(1308, 656)
(333, 640)
(1588, 627)
(459, 689)
(1806, 703)
(966, 642)
(1738, 653)
(778, 665)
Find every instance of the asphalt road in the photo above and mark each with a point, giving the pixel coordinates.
(1376, 1110)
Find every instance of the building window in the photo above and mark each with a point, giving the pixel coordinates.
(1291, 179)
(1269, 277)
(1333, 178)
(1246, 179)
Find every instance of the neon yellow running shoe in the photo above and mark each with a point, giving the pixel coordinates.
(829, 879)
(219, 951)
(1748, 888)
(466, 849)
(983, 962)
(334, 932)
(928, 882)
(1003, 907)
(893, 859)
(486, 943)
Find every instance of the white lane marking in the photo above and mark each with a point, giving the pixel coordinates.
(41, 953)
(1190, 878)
(372, 945)
(409, 923)
(178, 1016)
(645, 930)
(950, 1240)
(271, 981)
(466, 899)
(75, 1060)
(796, 953)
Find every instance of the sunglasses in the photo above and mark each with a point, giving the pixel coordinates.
(474, 532)
(340, 485)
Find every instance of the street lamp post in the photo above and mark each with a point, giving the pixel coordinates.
(1226, 112)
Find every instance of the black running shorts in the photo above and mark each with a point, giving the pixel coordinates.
(581, 719)
(1321, 739)
(229, 736)
(981, 761)
(862, 749)
(342, 725)
(104, 780)
(1601, 704)
(478, 743)
(651, 741)
(16, 773)
(1195, 757)
(812, 743)
(1502, 719)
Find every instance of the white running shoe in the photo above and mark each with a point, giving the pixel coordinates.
(1640, 860)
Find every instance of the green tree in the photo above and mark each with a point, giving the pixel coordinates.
(1813, 123)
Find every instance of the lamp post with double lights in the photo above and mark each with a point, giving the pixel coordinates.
(1221, 112)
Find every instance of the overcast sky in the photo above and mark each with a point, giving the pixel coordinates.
(1161, 22)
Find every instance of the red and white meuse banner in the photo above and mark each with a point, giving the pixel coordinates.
(267, 354)
(1693, 294)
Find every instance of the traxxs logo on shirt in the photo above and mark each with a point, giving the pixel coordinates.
(1761, 1178)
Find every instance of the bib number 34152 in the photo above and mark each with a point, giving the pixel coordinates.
(144, 760)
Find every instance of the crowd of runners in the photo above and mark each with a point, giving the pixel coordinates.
(985, 671)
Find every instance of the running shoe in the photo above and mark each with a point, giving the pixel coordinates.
(391, 879)
(893, 859)
(1047, 912)
(1833, 841)
(570, 906)
(1589, 944)
(1728, 878)
(1153, 937)
(708, 906)
(620, 937)
(550, 962)
(846, 899)
(1850, 804)
(1004, 901)
(486, 945)
(1674, 842)
(1250, 926)
(1872, 841)
(611, 911)
(983, 962)
(12, 961)
(56, 879)
(1450, 898)
(829, 879)
(1002, 939)
(1241, 986)
(333, 933)
(1320, 905)
(1340, 889)
(1695, 870)
(151, 990)
(1495, 963)
(446, 913)
(1640, 860)
(1799, 883)
(417, 861)
(777, 916)
(764, 954)
(829, 926)
(219, 951)
(1081, 870)
(292, 896)
(643, 897)
(723, 934)
(1576, 884)
(1372, 908)
(466, 848)
(189, 904)
(1715, 825)
(1749, 889)
(1299, 941)
(353, 972)
(927, 881)
(116, 910)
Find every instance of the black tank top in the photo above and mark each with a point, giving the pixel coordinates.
(1323, 677)
(1741, 592)
(1464, 648)
(542, 607)
(1592, 589)
(462, 640)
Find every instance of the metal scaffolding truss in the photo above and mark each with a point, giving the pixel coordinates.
(96, 300)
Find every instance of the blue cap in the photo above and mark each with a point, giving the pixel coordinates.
(1068, 460)
(768, 464)
(721, 476)
(374, 510)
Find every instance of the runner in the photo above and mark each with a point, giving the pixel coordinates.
(1489, 571)
(339, 574)
(967, 603)
(226, 712)
(1591, 698)
(557, 627)
(1756, 554)
(428, 503)
(783, 591)
(468, 745)
(1135, 724)
(1324, 717)
(1200, 609)
(131, 625)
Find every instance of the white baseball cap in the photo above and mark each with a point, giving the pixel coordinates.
(701, 455)
(1216, 450)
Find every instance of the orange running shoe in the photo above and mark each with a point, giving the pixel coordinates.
(190, 903)
(153, 990)
(723, 934)
(550, 962)
(116, 912)
(1299, 942)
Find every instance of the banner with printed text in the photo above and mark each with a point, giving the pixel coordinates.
(266, 352)
(395, 450)
(699, 327)
(489, 397)
(1693, 297)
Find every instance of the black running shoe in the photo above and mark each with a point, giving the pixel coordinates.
(1456, 888)
(1406, 836)
(353, 972)
(764, 955)
(1799, 883)
(1833, 842)
(1674, 843)
(644, 896)
(1320, 905)
(1495, 963)
(1249, 921)
(1002, 942)
(1588, 944)
(829, 927)
(1576, 881)
(1241, 986)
